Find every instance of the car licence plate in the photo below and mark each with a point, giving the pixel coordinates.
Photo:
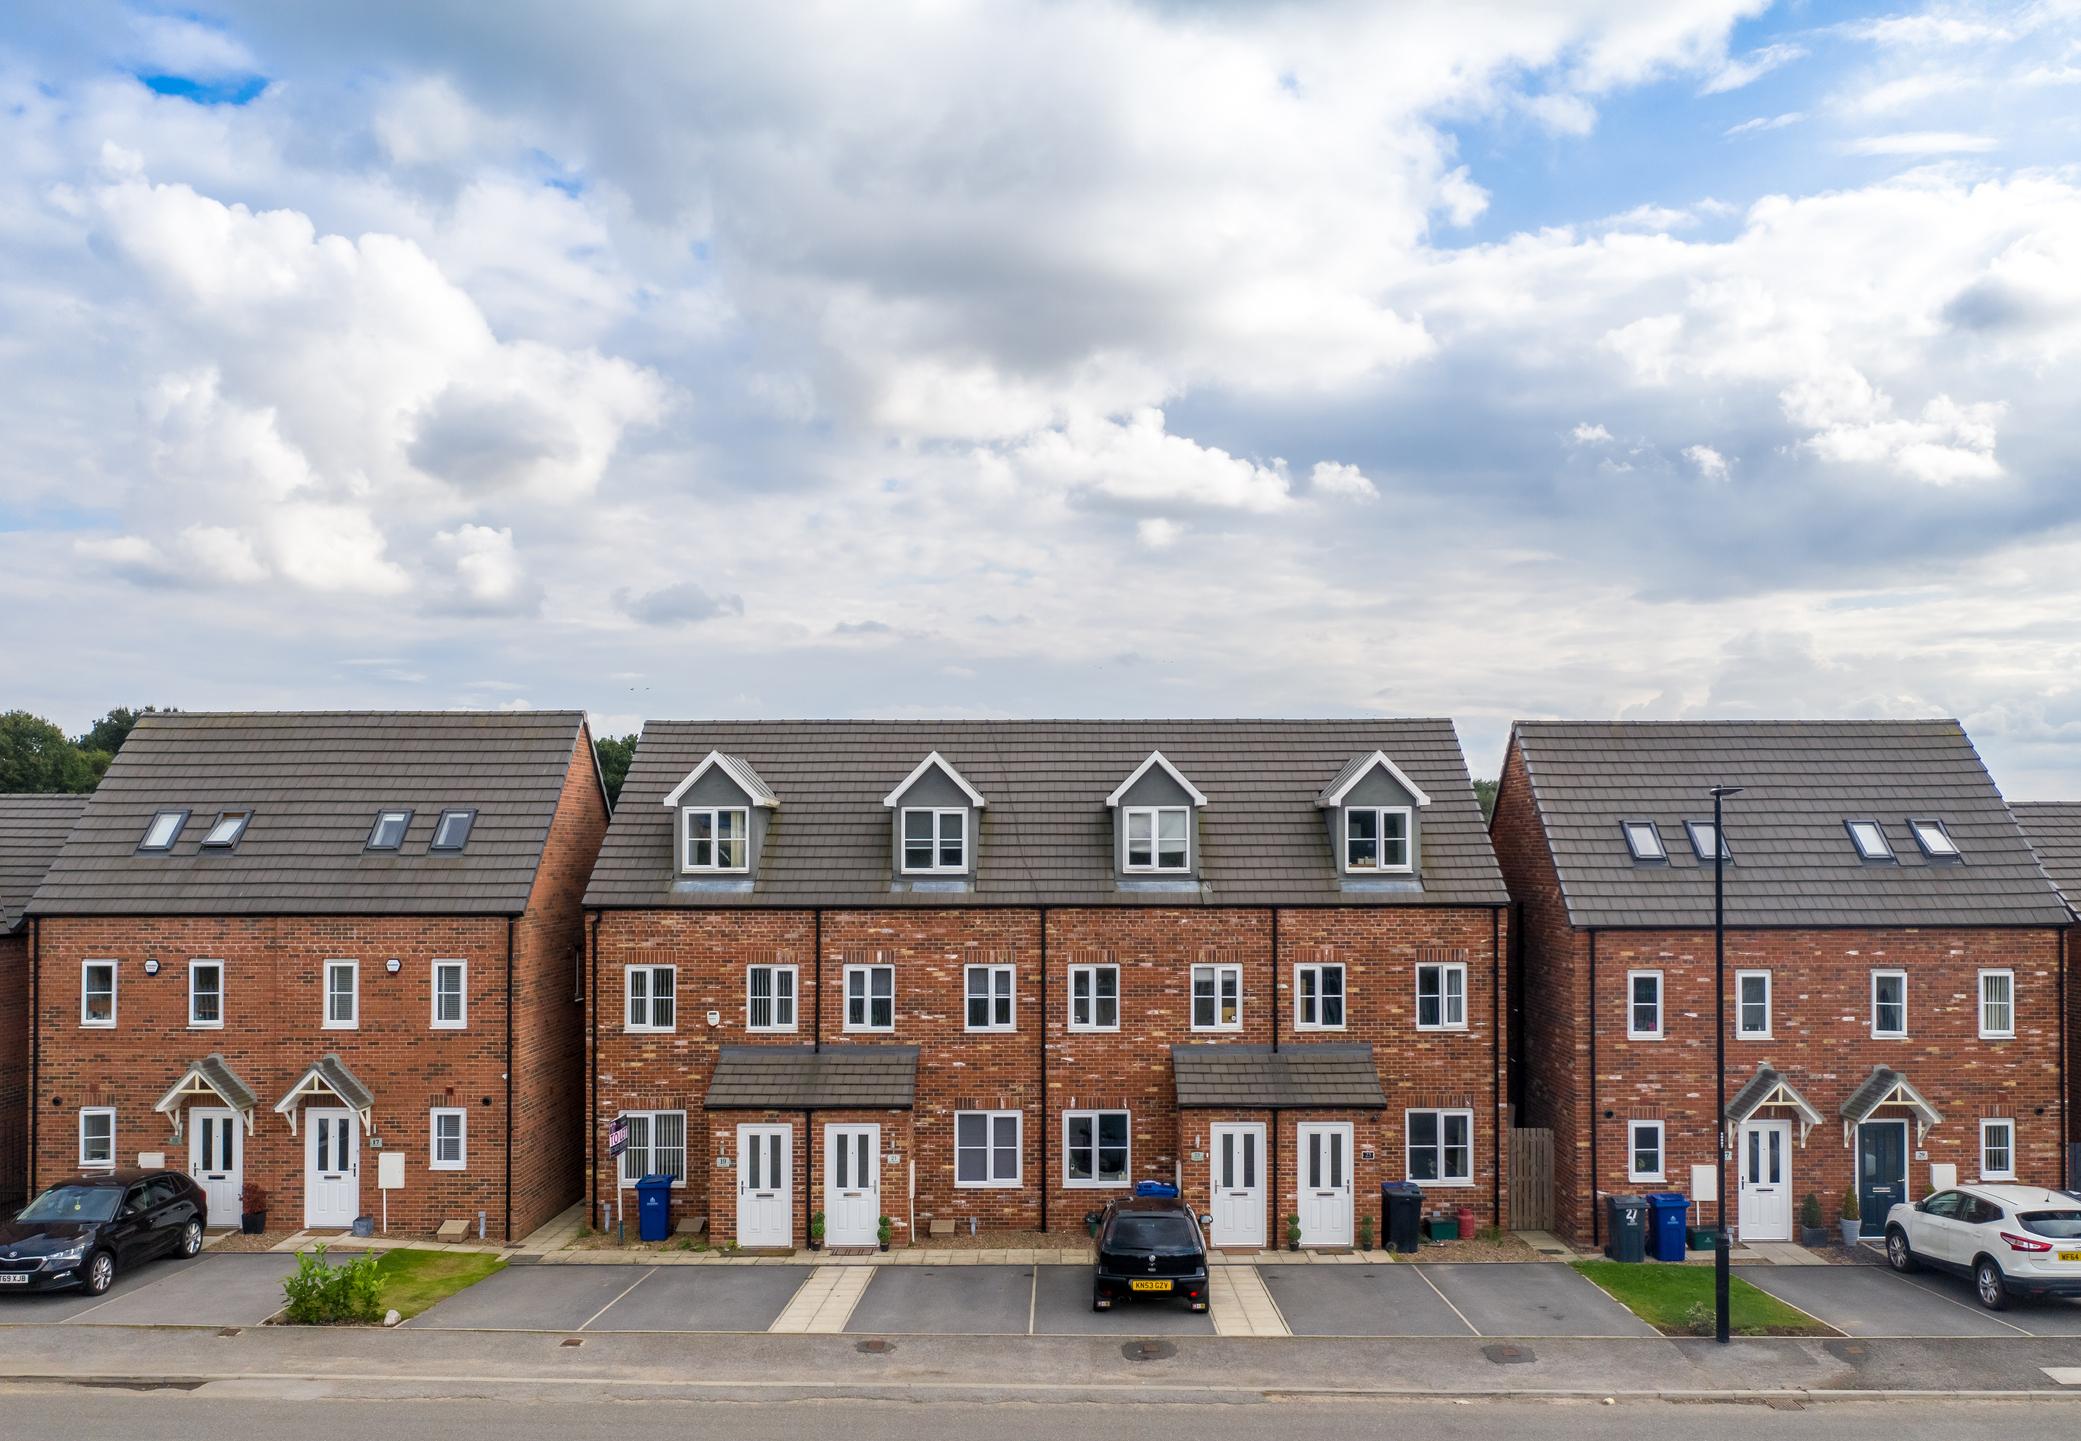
(1149, 1285)
(17, 1278)
(2070, 1255)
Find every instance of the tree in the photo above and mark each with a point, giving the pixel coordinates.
(615, 753)
(36, 756)
(108, 734)
(1485, 792)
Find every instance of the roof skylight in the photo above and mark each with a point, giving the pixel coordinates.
(226, 833)
(388, 833)
(160, 834)
(452, 831)
(1935, 839)
(1871, 840)
(1644, 840)
(1702, 841)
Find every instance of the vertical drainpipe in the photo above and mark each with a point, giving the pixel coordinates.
(1275, 1232)
(592, 1127)
(36, 1040)
(2060, 948)
(1495, 1074)
(509, 1080)
(1044, 1122)
(1274, 992)
(816, 973)
(1596, 1211)
(809, 1167)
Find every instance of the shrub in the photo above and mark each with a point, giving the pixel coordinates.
(252, 1198)
(1810, 1212)
(320, 1294)
(1852, 1211)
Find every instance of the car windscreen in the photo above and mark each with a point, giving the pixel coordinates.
(2059, 1225)
(1153, 1233)
(72, 1203)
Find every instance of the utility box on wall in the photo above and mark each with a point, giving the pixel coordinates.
(390, 1171)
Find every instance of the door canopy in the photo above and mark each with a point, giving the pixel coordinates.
(1887, 1087)
(1765, 1089)
(329, 1080)
(210, 1078)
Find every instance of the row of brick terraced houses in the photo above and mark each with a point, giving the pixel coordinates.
(983, 975)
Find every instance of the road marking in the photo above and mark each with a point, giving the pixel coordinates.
(1242, 1305)
(2064, 1375)
(824, 1302)
(625, 1291)
(1472, 1329)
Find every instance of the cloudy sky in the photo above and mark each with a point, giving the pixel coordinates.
(1673, 358)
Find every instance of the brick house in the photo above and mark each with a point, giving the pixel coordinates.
(959, 974)
(2054, 830)
(287, 948)
(1893, 960)
(32, 827)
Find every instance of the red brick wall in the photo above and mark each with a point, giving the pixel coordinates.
(14, 1066)
(811, 1167)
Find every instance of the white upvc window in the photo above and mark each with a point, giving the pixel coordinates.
(1094, 998)
(652, 993)
(206, 995)
(1440, 1147)
(1889, 1005)
(1318, 996)
(1644, 1151)
(1217, 997)
(1643, 1005)
(1159, 838)
(714, 838)
(97, 994)
(97, 1137)
(935, 841)
(992, 998)
(448, 1144)
(451, 995)
(1376, 838)
(769, 998)
(657, 1146)
(1997, 1149)
(1997, 1005)
(1752, 1005)
(1441, 996)
(342, 995)
(987, 1149)
(1096, 1149)
(870, 998)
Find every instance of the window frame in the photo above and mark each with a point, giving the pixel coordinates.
(1301, 997)
(1155, 865)
(1095, 1182)
(1987, 1033)
(938, 842)
(1885, 850)
(990, 996)
(650, 970)
(624, 1179)
(1440, 1181)
(468, 816)
(242, 815)
(1660, 854)
(1233, 969)
(715, 841)
(1379, 815)
(794, 998)
(1873, 1016)
(433, 1139)
(1693, 828)
(1661, 1030)
(201, 963)
(2007, 1123)
(91, 1023)
(1445, 1021)
(85, 1162)
(376, 829)
(1633, 1171)
(1088, 970)
(462, 1021)
(325, 1017)
(1741, 1031)
(866, 969)
(993, 1182)
(144, 845)
(1920, 828)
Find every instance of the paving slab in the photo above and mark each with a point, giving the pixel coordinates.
(1868, 1301)
(1532, 1298)
(704, 1298)
(235, 1290)
(534, 1298)
(1062, 1307)
(946, 1301)
(1371, 1300)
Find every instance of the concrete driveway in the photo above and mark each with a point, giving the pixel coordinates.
(1870, 1302)
(951, 1300)
(233, 1290)
(1362, 1301)
(536, 1298)
(1532, 1298)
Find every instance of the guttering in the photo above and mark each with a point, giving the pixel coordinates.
(1596, 1211)
(592, 1129)
(1495, 1077)
(1046, 1122)
(509, 1080)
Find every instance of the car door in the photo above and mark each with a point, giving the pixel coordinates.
(130, 1234)
(1933, 1232)
(1974, 1230)
(167, 1208)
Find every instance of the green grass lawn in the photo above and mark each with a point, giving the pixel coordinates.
(414, 1280)
(1678, 1301)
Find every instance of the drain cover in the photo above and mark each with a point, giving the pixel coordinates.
(1148, 1350)
(1504, 1354)
(1854, 1352)
(875, 1347)
(570, 1341)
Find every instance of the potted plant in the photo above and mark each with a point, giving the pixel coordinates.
(1853, 1217)
(816, 1230)
(252, 1205)
(883, 1232)
(1365, 1233)
(1293, 1233)
(1813, 1231)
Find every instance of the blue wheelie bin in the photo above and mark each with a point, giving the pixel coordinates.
(654, 1208)
(1668, 1212)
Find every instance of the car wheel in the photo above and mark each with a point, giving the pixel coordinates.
(1991, 1286)
(191, 1238)
(100, 1273)
(1899, 1255)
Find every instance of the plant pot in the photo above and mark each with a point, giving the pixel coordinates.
(884, 1245)
(816, 1243)
(253, 1223)
(1811, 1236)
(1293, 1245)
(1852, 1230)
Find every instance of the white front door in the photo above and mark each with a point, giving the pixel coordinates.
(765, 1185)
(1765, 1157)
(1325, 1168)
(332, 1168)
(215, 1160)
(1238, 1150)
(852, 1185)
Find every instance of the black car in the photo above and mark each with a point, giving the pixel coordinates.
(1149, 1247)
(82, 1231)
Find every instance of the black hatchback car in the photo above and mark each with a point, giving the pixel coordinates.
(1149, 1247)
(81, 1232)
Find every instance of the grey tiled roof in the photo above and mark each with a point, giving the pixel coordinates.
(1259, 1078)
(1759, 1087)
(2054, 831)
(1047, 834)
(315, 781)
(1877, 1086)
(32, 828)
(217, 1071)
(1793, 862)
(342, 1082)
(794, 1078)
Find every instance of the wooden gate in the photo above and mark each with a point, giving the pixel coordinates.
(1531, 1179)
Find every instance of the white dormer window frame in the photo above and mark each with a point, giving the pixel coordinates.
(1129, 815)
(716, 840)
(1379, 865)
(938, 840)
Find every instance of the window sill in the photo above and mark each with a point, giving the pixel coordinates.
(205, 1025)
(1462, 1029)
(1229, 1030)
(1659, 1179)
(1305, 1026)
(1156, 870)
(867, 1030)
(1380, 870)
(698, 871)
(450, 1026)
(1466, 1185)
(2007, 1179)
(1997, 1035)
(340, 1026)
(1120, 1185)
(97, 1025)
(1076, 1030)
(1645, 1036)
(1753, 1036)
(450, 1166)
(1889, 1035)
(769, 1030)
(940, 871)
(989, 1030)
(649, 1030)
(989, 1185)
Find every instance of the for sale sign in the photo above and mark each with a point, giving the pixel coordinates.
(618, 1135)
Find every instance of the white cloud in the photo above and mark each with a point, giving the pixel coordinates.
(1921, 142)
(1710, 464)
(1762, 123)
(1588, 434)
(1137, 462)
(191, 48)
(1749, 68)
(1155, 533)
(1348, 482)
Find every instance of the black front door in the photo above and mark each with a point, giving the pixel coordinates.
(1882, 1171)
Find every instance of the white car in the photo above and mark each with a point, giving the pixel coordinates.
(2009, 1241)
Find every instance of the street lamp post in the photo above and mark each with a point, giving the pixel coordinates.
(1721, 1243)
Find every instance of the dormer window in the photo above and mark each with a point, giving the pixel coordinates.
(1376, 838)
(160, 834)
(452, 831)
(715, 838)
(225, 834)
(1935, 840)
(935, 840)
(388, 833)
(1159, 838)
(1644, 840)
(1870, 840)
(1701, 833)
